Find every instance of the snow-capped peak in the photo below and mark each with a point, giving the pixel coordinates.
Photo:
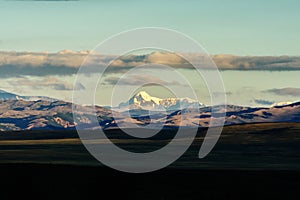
(11, 96)
(144, 96)
(142, 100)
(285, 103)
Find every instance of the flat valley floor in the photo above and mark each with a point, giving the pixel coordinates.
(251, 161)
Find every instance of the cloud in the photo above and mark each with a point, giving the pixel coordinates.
(13, 64)
(164, 58)
(286, 91)
(263, 102)
(222, 93)
(224, 61)
(257, 62)
(139, 80)
(67, 62)
(46, 82)
(79, 86)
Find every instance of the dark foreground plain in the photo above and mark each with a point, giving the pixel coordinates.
(41, 181)
(252, 161)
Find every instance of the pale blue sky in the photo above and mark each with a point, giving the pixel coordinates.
(256, 27)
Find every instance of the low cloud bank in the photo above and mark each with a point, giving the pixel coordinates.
(286, 91)
(68, 62)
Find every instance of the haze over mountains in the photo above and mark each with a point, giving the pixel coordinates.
(24, 113)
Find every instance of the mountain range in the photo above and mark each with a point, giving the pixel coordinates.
(24, 113)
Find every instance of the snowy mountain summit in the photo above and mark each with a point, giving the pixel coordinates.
(142, 100)
(11, 96)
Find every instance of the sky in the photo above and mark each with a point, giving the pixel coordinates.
(257, 27)
(51, 38)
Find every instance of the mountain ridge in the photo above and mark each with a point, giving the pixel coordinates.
(11, 96)
(19, 114)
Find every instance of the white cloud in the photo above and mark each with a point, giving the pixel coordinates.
(67, 62)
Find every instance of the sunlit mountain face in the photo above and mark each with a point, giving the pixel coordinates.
(42, 113)
(142, 100)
